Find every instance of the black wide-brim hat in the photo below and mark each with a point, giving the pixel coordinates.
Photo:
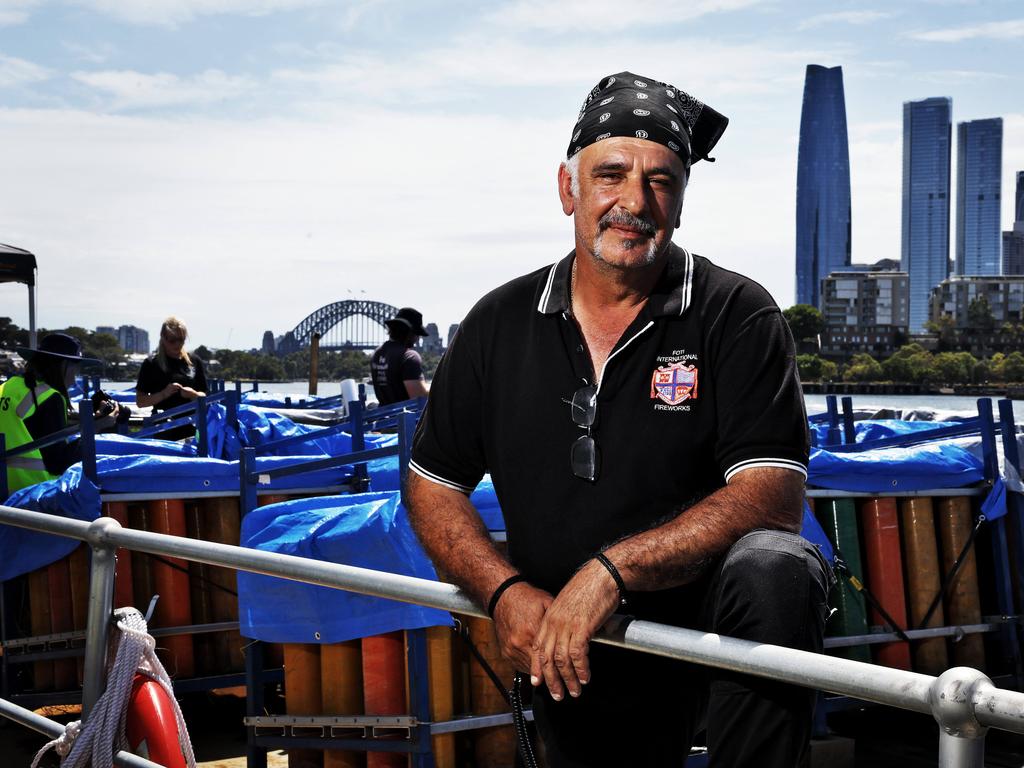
(59, 345)
(410, 318)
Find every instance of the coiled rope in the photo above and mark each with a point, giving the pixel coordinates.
(95, 743)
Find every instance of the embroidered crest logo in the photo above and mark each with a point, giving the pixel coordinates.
(674, 384)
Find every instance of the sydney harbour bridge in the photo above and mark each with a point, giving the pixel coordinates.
(349, 324)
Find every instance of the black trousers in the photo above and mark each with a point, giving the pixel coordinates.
(642, 710)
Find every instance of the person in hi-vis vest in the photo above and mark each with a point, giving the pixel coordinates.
(36, 404)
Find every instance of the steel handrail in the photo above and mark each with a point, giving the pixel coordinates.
(963, 701)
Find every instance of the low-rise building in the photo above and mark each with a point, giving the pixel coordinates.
(865, 312)
(954, 296)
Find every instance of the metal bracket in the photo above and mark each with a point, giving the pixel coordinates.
(335, 727)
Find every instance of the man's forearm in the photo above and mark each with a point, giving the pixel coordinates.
(680, 550)
(452, 533)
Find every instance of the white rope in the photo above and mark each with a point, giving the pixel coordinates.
(95, 743)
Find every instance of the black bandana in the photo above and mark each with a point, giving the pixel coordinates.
(630, 105)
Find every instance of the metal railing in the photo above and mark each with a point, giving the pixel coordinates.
(963, 701)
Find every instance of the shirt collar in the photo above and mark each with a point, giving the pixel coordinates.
(671, 295)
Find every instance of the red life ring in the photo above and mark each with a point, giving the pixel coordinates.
(151, 726)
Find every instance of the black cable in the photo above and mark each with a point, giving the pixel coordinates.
(858, 586)
(196, 576)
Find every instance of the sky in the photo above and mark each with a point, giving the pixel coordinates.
(240, 163)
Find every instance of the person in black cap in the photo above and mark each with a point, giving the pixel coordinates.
(639, 412)
(397, 368)
(36, 404)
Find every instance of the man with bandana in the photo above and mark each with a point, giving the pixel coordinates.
(639, 412)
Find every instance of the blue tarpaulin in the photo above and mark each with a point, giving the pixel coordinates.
(876, 429)
(70, 495)
(369, 530)
(914, 468)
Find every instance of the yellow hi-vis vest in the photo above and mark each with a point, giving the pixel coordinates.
(16, 405)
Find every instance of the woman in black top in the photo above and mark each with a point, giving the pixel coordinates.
(171, 377)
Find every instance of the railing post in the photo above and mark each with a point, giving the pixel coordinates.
(247, 486)
(834, 437)
(202, 429)
(406, 429)
(355, 411)
(849, 430)
(961, 736)
(97, 632)
(4, 493)
(88, 430)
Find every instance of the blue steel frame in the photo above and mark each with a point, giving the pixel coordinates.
(419, 746)
(192, 414)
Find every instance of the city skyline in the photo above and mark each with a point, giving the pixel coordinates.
(823, 225)
(241, 164)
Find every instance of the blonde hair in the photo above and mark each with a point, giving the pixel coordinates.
(176, 326)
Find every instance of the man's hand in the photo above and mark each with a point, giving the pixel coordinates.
(516, 617)
(559, 654)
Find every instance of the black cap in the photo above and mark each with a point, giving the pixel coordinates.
(410, 318)
(59, 345)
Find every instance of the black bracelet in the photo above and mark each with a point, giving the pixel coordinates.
(610, 567)
(493, 602)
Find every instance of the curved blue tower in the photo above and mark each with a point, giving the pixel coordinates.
(822, 184)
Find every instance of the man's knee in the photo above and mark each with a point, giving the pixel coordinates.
(772, 587)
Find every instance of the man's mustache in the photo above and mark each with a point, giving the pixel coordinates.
(621, 218)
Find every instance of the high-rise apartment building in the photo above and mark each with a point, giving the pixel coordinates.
(865, 311)
(822, 183)
(927, 129)
(979, 172)
(1013, 241)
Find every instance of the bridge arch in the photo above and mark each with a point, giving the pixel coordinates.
(349, 324)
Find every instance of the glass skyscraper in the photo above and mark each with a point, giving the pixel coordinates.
(822, 184)
(927, 134)
(979, 172)
(1018, 208)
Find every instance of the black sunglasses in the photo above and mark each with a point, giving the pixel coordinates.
(583, 455)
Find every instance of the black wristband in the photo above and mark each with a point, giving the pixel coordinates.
(610, 567)
(493, 602)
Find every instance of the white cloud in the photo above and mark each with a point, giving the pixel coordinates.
(844, 17)
(608, 15)
(14, 12)
(171, 13)
(137, 90)
(470, 67)
(1009, 29)
(14, 71)
(92, 54)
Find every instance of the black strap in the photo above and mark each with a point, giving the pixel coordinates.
(858, 586)
(197, 576)
(602, 558)
(463, 631)
(492, 604)
(947, 581)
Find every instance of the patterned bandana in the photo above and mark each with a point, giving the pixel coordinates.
(639, 107)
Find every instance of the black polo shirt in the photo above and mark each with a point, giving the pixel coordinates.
(702, 385)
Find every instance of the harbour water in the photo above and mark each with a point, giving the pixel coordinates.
(815, 403)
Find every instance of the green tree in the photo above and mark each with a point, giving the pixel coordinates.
(862, 367)
(805, 321)
(979, 314)
(814, 368)
(911, 363)
(1013, 367)
(945, 329)
(953, 367)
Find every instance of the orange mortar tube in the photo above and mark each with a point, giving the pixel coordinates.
(174, 608)
(922, 571)
(881, 525)
(442, 692)
(384, 687)
(302, 694)
(221, 523)
(963, 603)
(341, 676)
(492, 747)
(65, 671)
(39, 624)
(123, 589)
